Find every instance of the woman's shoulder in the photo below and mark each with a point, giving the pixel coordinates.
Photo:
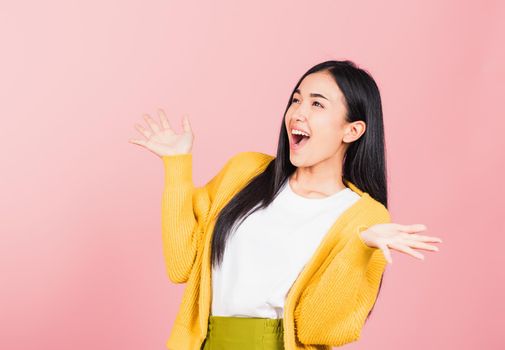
(253, 157)
(243, 165)
(249, 161)
(375, 211)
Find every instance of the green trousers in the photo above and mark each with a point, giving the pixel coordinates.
(244, 333)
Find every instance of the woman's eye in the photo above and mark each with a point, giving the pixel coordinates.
(294, 100)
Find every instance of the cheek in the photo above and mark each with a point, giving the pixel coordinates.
(286, 120)
(327, 130)
(328, 138)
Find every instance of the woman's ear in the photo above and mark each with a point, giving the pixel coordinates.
(353, 131)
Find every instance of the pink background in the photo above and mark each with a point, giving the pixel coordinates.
(80, 254)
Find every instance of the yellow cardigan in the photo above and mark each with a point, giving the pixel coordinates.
(326, 305)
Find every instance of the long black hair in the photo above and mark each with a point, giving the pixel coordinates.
(364, 163)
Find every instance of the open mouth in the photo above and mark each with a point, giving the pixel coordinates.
(299, 140)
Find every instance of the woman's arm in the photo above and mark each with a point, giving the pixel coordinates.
(184, 210)
(334, 309)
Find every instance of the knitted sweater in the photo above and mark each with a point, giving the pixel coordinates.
(328, 303)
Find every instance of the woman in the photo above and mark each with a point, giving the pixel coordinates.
(296, 244)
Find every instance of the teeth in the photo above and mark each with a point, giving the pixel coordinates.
(298, 132)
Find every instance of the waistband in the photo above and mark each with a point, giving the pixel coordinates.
(248, 327)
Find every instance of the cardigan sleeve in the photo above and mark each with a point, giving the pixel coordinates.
(184, 210)
(333, 310)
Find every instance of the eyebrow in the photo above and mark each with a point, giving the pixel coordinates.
(312, 94)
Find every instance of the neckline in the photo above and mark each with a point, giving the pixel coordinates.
(302, 200)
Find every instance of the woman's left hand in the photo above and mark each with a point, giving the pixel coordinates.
(399, 237)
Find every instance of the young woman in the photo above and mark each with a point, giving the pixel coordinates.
(284, 252)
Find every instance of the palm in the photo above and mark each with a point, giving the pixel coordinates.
(161, 138)
(399, 237)
(168, 142)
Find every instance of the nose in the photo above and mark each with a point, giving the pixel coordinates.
(299, 117)
(300, 113)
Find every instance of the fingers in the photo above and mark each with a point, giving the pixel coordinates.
(412, 228)
(404, 238)
(155, 128)
(419, 244)
(423, 238)
(386, 252)
(138, 142)
(165, 124)
(186, 126)
(406, 249)
(143, 131)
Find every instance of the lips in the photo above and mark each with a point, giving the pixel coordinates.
(294, 138)
(298, 128)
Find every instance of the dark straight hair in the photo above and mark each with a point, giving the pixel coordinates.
(364, 163)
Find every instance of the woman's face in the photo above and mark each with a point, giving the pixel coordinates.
(318, 108)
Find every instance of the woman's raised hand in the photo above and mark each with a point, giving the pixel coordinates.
(161, 139)
(399, 237)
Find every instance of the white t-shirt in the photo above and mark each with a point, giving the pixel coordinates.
(266, 253)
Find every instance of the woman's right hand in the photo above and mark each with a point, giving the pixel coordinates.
(161, 139)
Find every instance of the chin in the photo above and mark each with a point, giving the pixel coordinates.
(295, 160)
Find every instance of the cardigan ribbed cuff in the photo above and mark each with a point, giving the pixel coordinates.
(365, 252)
(178, 169)
(365, 246)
